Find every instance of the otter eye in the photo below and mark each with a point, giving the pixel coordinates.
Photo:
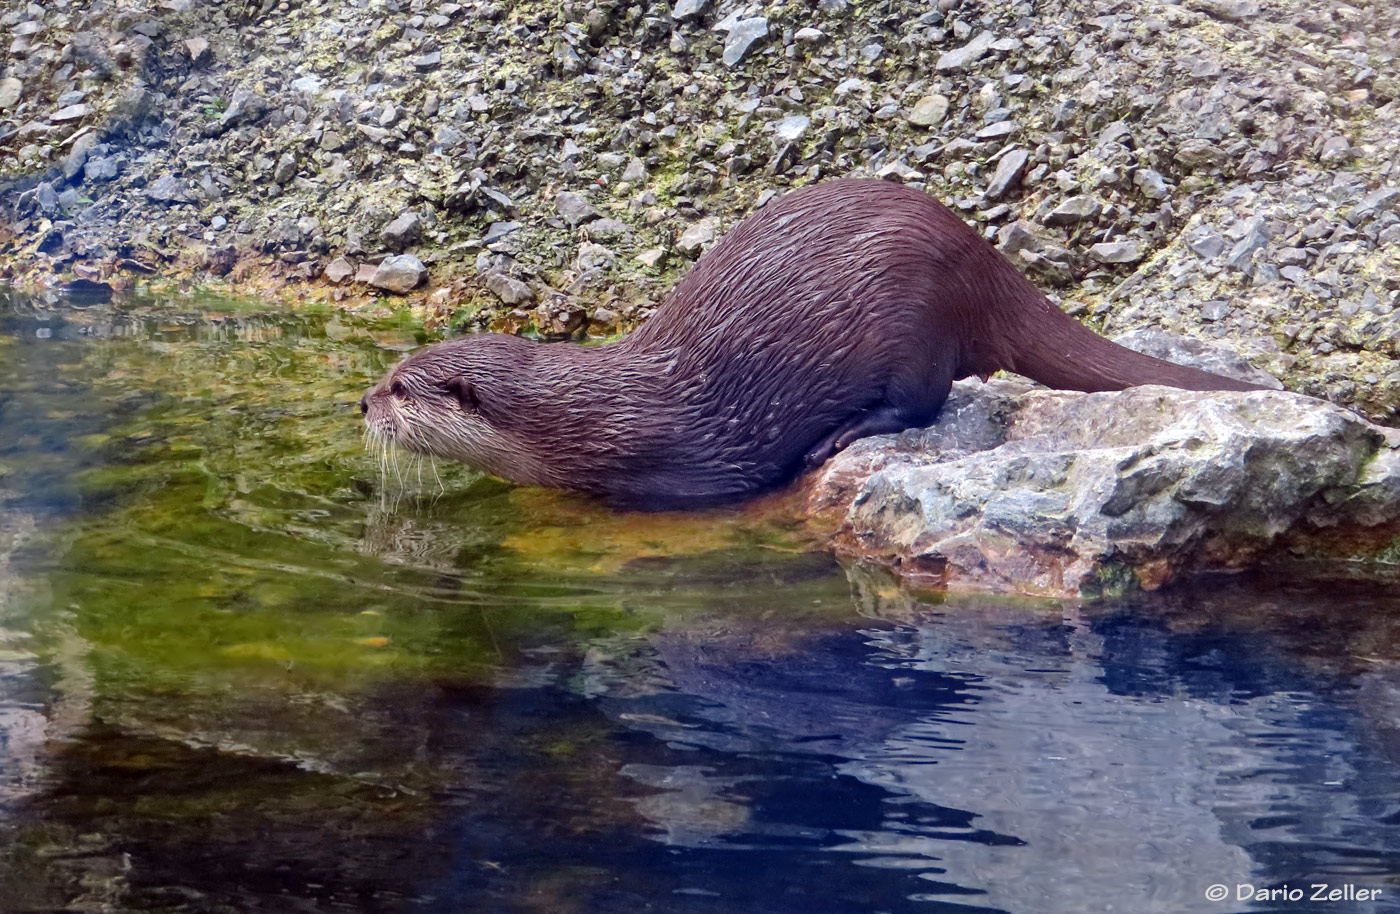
(465, 392)
(398, 390)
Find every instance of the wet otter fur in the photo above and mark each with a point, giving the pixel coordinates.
(838, 311)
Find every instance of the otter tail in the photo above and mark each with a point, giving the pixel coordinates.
(1047, 345)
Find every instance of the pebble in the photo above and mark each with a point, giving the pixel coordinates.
(741, 37)
(688, 9)
(401, 274)
(574, 208)
(402, 232)
(340, 270)
(694, 239)
(1010, 168)
(968, 54)
(1116, 252)
(11, 91)
(791, 129)
(929, 111)
(1074, 210)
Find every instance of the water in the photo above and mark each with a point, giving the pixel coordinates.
(241, 671)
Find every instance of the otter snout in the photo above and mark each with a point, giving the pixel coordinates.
(364, 405)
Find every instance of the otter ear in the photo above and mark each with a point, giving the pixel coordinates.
(465, 393)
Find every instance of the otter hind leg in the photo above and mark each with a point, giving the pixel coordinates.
(882, 420)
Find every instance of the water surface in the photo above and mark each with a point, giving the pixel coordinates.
(241, 670)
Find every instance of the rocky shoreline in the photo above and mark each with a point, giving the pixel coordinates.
(1223, 169)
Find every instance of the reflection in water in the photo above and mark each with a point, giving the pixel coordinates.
(235, 677)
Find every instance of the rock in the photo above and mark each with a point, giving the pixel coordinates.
(340, 270)
(1015, 237)
(1206, 243)
(78, 155)
(1074, 210)
(507, 288)
(653, 258)
(808, 35)
(1152, 185)
(741, 37)
(498, 230)
(221, 259)
(11, 91)
(245, 107)
(71, 113)
(401, 274)
(574, 208)
(429, 61)
(198, 49)
(1197, 354)
(167, 189)
(688, 9)
(101, 169)
(635, 172)
(364, 273)
(402, 232)
(1116, 252)
(966, 55)
(1255, 237)
(695, 238)
(1010, 168)
(1336, 150)
(1228, 10)
(791, 129)
(1200, 155)
(1371, 205)
(595, 257)
(1063, 494)
(929, 111)
(607, 230)
(285, 170)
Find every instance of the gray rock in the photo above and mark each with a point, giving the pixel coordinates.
(1010, 168)
(608, 230)
(78, 155)
(1228, 10)
(741, 37)
(1206, 243)
(1116, 252)
(793, 128)
(595, 257)
(652, 258)
(929, 111)
(1200, 155)
(635, 172)
(285, 170)
(244, 108)
(340, 270)
(402, 232)
(695, 238)
(498, 230)
(1336, 150)
(101, 169)
(1215, 309)
(687, 9)
(507, 288)
(1255, 237)
(46, 197)
(1063, 494)
(1152, 185)
(400, 274)
(1371, 205)
(1015, 237)
(167, 189)
(198, 49)
(574, 208)
(71, 113)
(430, 61)
(966, 55)
(1074, 210)
(11, 91)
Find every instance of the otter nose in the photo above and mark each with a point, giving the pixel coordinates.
(364, 404)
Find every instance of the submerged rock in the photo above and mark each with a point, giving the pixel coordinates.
(1061, 494)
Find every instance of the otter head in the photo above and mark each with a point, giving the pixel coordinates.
(462, 400)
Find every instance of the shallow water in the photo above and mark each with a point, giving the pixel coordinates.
(240, 670)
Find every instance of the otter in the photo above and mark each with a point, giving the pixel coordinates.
(840, 310)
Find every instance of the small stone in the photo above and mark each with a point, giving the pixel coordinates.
(402, 232)
(1336, 150)
(1206, 244)
(791, 129)
(498, 230)
(1214, 310)
(652, 259)
(809, 35)
(694, 239)
(929, 111)
(217, 223)
(429, 61)
(101, 169)
(1152, 185)
(741, 37)
(595, 257)
(198, 49)
(401, 274)
(340, 270)
(364, 273)
(78, 155)
(607, 229)
(166, 189)
(1371, 205)
(1073, 210)
(966, 55)
(11, 91)
(997, 131)
(71, 113)
(286, 169)
(635, 172)
(1010, 168)
(1116, 252)
(507, 288)
(244, 107)
(1254, 239)
(1015, 237)
(309, 84)
(687, 9)
(574, 208)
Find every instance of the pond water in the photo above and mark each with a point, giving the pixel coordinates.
(241, 670)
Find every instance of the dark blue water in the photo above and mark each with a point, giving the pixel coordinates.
(241, 671)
